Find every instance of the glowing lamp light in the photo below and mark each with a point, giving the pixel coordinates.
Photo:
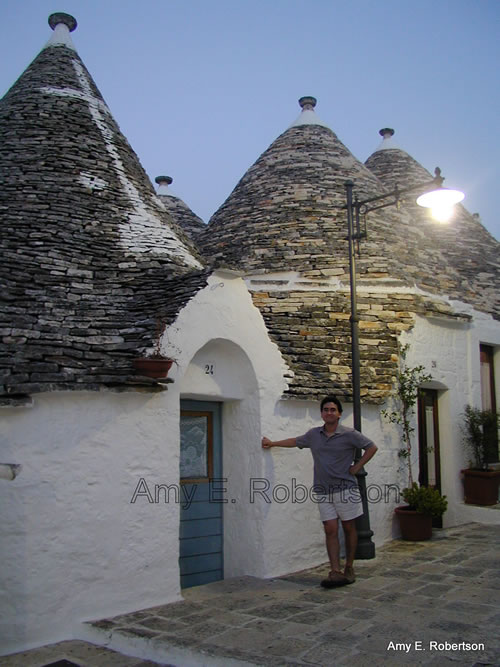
(441, 202)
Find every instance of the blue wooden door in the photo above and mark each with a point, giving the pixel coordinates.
(201, 537)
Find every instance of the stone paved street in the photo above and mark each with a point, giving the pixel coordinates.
(427, 595)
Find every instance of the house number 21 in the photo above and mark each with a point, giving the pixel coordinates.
(209, 369)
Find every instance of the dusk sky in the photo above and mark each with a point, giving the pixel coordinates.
(201, 88)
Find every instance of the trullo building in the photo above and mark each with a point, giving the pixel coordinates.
(104, 490)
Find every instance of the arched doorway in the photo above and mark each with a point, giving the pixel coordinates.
(220, 395)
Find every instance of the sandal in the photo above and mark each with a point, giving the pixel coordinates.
(349, 574)
(335, 579)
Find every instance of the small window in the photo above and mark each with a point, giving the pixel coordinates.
(196, 462)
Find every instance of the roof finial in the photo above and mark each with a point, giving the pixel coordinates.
(163, 183)
(164, 180)
(307, 103)
(61, 17)
(63, 25)
(308, 115)
(387, 134)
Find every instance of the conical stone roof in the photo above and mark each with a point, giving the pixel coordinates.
(186, 219)
(286, 213)
(393, 165)
(463, 253)
(91, 260)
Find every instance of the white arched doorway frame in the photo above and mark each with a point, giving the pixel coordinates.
(221, 371)
(224, 353)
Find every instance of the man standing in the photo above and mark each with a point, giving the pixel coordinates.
(333, 448)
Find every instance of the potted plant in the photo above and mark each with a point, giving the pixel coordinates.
(480, 438)
(154, 365)
(424, 503)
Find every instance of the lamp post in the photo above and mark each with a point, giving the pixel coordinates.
(438, 199)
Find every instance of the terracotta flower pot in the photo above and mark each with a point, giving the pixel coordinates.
(152, 367)
(415, 526)
(481, 486)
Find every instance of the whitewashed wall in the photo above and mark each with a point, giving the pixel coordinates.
(73, 545)
(450, 352)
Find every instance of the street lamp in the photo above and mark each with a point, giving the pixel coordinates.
(441, 201)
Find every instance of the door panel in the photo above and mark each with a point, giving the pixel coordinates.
(210, 544)
(201, 509)
(201, 527)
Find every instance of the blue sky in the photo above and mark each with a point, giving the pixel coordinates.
(201, 88)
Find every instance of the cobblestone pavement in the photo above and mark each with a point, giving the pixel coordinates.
(425, 603)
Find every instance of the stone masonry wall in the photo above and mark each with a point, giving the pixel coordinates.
(312, 330)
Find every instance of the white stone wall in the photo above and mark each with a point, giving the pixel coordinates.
(450, 352)
(73, 545)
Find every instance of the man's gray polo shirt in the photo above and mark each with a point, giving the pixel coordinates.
(333, 455)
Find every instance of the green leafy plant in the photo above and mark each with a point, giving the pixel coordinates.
(425, 500)
(480, 436)
(408, 382)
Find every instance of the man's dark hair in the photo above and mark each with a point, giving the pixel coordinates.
(332, 399)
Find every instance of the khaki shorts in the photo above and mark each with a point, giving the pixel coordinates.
(344, 505)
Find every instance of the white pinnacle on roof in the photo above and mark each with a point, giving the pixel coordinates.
(387, 134)
(62, 25)
(163, 183)
(308, 115)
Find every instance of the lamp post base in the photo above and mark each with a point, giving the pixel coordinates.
(366, 548)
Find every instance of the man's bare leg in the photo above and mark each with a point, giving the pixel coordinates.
(335, 578)
(332, 543)
(351, 542)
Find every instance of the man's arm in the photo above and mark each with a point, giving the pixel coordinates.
(369, 453)
(289, 442)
